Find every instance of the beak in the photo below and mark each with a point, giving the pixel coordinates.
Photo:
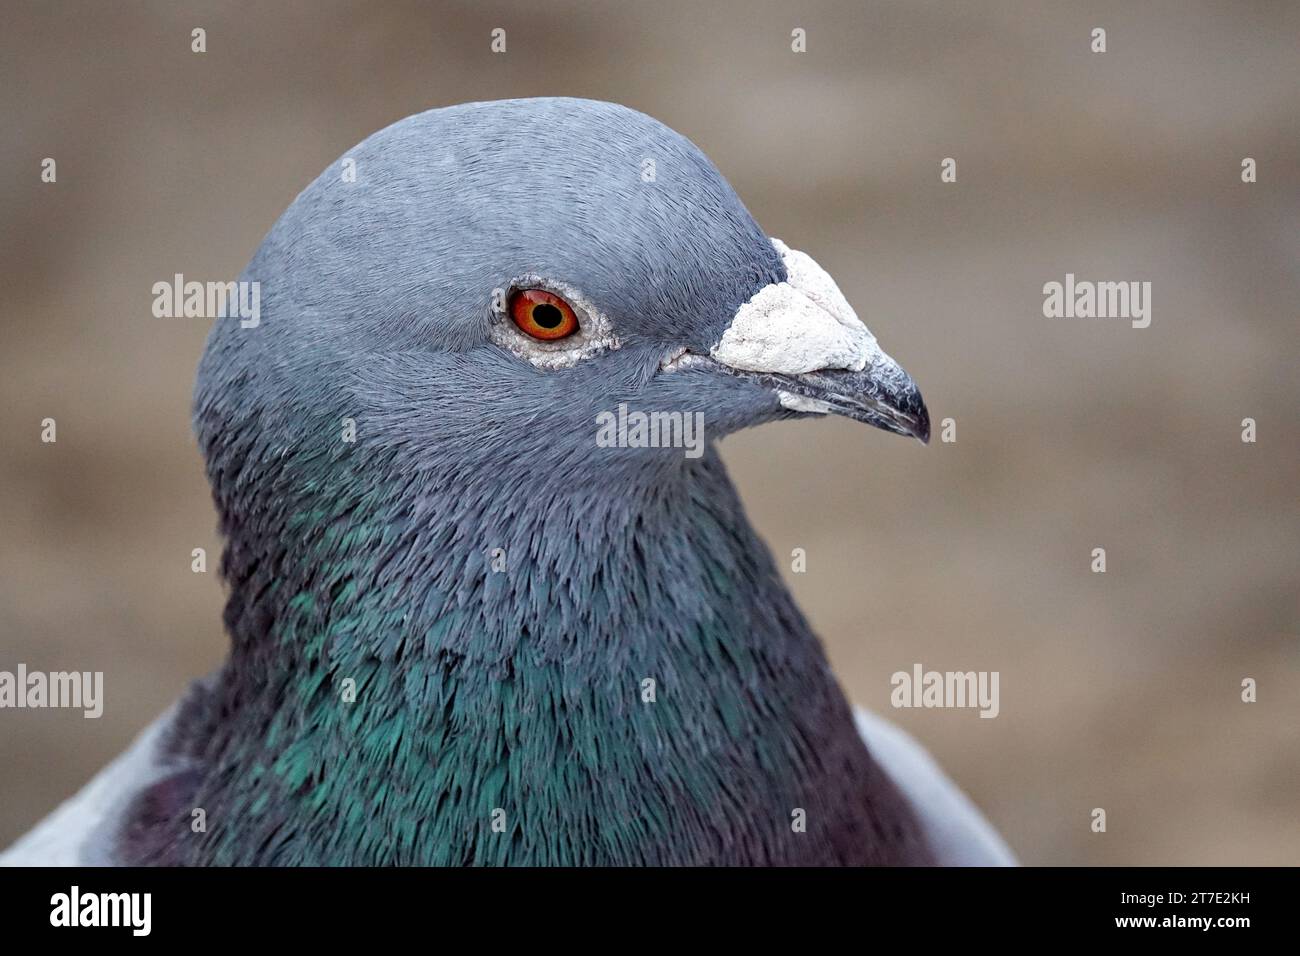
(802, 339)
(881, 394)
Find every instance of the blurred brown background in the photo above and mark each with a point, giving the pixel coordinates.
(1119, 690)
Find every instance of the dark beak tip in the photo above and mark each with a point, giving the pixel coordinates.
(923, 425)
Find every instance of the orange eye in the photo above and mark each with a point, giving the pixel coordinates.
(542, 315)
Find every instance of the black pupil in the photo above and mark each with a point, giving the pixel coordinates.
(547, 315)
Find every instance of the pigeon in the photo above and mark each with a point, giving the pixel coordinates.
(492, 597)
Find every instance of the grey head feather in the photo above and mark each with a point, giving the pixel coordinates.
(385, 284)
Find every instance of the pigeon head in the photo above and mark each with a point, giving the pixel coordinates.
(501, 278)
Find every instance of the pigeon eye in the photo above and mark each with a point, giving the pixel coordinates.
(542, 314)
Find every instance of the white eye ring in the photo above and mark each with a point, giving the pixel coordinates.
(595, 331)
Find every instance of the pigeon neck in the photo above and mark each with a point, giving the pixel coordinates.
(424, 678)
